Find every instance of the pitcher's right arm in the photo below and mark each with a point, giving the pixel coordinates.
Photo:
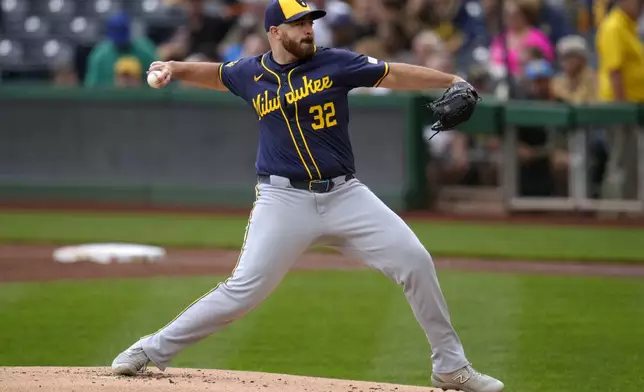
(200, 74)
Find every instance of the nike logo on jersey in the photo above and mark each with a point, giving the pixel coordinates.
(257, 78)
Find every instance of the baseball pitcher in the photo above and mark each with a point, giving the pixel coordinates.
(307, 188)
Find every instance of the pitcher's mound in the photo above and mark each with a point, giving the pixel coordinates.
(100, 379)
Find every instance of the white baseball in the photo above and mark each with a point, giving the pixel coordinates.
(153, 79)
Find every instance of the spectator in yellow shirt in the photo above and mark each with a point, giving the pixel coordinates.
(621, 54)
(621, 78)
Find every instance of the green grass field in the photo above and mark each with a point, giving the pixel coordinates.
(440, 238)
(536, 333)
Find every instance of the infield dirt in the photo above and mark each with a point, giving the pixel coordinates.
(25, 263)
(54, 379)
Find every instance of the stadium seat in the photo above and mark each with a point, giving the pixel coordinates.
(14, 9)
(56, 51)
(101, 9)
(31, 26)
(162, 23)
(79, 29)
(46, 52)
(144, 8)
(53, 9)
(11, 54)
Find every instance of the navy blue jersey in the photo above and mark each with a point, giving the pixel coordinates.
(303, 109)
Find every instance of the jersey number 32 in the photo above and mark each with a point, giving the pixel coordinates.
(323, 116)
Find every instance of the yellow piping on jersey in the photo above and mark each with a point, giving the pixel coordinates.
(231, 274)
(297, 120)
(264, 105)
(383, 76)
(221, 69)
(286, 119)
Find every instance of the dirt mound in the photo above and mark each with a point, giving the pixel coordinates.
(99, 379)
(24, 263)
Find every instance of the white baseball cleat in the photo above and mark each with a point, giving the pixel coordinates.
(467, 379)
(131, 361)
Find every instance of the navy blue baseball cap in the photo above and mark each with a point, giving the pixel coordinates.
(118, 28)
(286, 11)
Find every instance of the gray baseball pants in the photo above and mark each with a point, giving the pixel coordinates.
(284, 222)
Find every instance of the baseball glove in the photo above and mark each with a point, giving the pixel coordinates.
(454, 107)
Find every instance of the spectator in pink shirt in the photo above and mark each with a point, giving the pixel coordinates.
(521, 35)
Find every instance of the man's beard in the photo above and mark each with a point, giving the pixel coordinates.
(302, 50)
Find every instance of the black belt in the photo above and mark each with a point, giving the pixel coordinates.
(315, 186)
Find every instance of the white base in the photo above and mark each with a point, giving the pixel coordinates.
(108, 252)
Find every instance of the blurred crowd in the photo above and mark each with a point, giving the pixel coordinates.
(461, 36)
(563, 50)
(571, 52)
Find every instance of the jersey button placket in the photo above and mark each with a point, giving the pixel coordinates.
(292, 119)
